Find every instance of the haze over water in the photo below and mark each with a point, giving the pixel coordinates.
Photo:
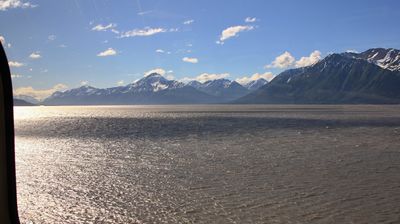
(208, 164)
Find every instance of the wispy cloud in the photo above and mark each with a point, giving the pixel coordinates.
(35, 55)
(39, 94)
(188, 22)
(12, 4)
(15, 64)
(250, 19)
(84, 82)
(232, 32)
(4, 43)
(145, 12)
(147, 31)
(267, 76)
(204, 77)
(15, 76)
(161, 51)
(169, 75)
(156, 70)
(115, 31)
(352, 51)
(101, 27)
(120, 83)
(51, 37)
(190, 60)
(108, 52)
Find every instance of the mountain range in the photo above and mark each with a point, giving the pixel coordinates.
(223, 89)
(19, 102)
(372, 76)
(152, 89)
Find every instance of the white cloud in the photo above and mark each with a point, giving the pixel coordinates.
(15, 76)
(232, 32)
(204, 77)
(267, 76)
(3, 41)
(120, 83)
(52, 37)
(169, 75)
(35, 55)
(161, 51)
(190, 60)
(101, 27)
(108, 52)
(12, 4)
(352, 51)
(115, 31)
(156, 70)
(250, 19)
(15, 64)
(84, 83)
(39, 94)
(62, 45)
(188, 22)
(145, 12)
(143, 32)
(284, 60)
(314, 57)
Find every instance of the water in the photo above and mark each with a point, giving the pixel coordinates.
(208, 164)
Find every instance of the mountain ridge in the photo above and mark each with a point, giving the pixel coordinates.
(372, 76)
(338, 78)
(152, 89)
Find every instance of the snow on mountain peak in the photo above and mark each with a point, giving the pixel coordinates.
(387, 58)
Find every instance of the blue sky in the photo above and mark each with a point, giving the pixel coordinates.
(66, 43)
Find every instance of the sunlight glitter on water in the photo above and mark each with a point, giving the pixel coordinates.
(208, 164)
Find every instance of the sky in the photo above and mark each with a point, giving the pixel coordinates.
(56, 45)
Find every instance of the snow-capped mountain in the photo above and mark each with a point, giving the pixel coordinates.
(338, 78)
(195, 84)
(151, 83)
(385, 58)
(152, 89)
(255, 84)
(372, 76)
(224, 89)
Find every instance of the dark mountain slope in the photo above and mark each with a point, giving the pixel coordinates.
(336, 79)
